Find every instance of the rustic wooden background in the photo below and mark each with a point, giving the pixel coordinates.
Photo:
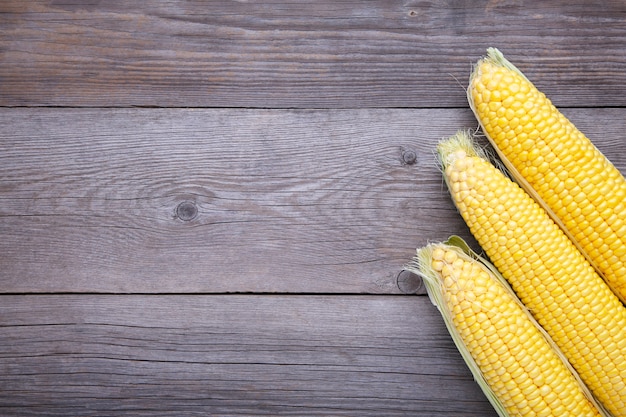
(205, 207)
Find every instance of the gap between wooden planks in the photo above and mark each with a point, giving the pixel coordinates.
(235, 355)
(319, 54)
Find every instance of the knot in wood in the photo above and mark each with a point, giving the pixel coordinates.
(409, 157)
(186, 211)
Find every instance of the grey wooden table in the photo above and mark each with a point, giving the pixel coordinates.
(205, 207)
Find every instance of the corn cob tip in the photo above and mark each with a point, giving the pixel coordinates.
(459, 146)
(453, 148)
(496, 57)
(423, 266)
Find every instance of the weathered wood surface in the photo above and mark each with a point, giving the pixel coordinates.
(300, 53)
(287, 201)
(292, 160)
(234, 355)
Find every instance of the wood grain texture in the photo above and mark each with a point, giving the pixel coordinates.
(234, 355)
(287, 201)
(283, 150)
(322, 54)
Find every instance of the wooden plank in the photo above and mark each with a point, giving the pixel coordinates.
(287, 201)
(234, 355)
(322, 54)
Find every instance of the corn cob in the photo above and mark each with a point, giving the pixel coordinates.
(565, 294)
(511, 358)
(555, 162)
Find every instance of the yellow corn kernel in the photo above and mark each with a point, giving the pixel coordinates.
(515, 365)
(575, 287)
(565, 172)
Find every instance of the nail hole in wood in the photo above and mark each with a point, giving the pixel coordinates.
(186, 211)
(409, 283)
